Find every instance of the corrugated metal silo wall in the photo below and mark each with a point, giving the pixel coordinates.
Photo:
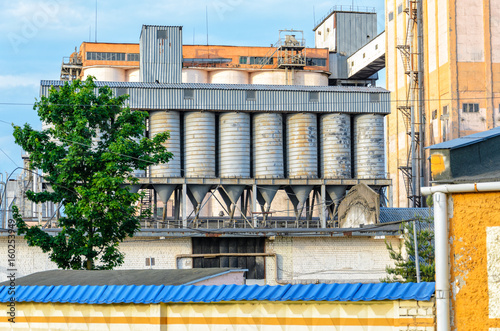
(354, 30)
(161, 54)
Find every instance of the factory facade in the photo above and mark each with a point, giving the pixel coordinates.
(442, 62)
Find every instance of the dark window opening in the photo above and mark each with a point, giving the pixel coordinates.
(188, 94)
(391, 16)
(250, 95)
(313, 96)
(320, 62)
(214, 246)
(470, 108)
(133, 57)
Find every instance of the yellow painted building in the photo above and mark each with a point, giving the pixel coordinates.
(460, 76)
(235, 315)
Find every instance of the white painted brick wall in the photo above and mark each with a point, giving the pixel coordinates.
(328, 259)
(300, 260)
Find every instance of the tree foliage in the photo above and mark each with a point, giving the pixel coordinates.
(88, 152)
(404, 269)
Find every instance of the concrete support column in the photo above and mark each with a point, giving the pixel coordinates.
(254, 205)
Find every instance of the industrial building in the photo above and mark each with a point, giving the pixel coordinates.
(442, 62)
(267, 142)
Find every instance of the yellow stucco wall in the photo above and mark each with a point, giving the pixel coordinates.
(255, 315)
(474, 230)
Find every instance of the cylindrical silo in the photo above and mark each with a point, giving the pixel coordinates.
(277, 77)
(369, 146)
(302, 145)
(335, 145)
(132, 75)
(161, 121)
(229, 77)
(105, 74)
(234, 142)
(268, 145)
(308, 78)
(199, 144)
(194, 76)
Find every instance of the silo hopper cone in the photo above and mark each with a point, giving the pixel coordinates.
(196, 194)
(231, 194)
(164, 192)
(133, 188)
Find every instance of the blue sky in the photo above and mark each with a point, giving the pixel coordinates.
(35, 35)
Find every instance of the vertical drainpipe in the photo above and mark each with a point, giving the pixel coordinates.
(442, 268)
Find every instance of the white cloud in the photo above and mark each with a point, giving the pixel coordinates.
(13, 81)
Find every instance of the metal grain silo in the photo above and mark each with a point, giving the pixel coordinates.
(199, 144)
(234, 145)
(335, 145)
(369, 146)
(268, 145)
(302, 145)
(162, 121)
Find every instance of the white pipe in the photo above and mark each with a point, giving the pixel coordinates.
(442, 269)
(441, 240)
(462, 188)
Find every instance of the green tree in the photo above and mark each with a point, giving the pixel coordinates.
(404, 269)
(87, 154)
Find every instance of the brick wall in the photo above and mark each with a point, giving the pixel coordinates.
(300, 259)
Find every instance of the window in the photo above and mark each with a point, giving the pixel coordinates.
(400, 9)
(250, 95)
(320, 62)
(121, 91)
(150, 261)
(314, 96)
(102, 56)
(470, 108)
(133, 57)
(188, 94)
(434, 114)
(162, 34)
(374, 97)
(262, 60)
(376, 46)
(212, 247)
(445, 110)
(391, 16)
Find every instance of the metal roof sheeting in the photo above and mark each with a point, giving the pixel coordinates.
(189, 293)
(268, 98)
(403, 214)
(467, 140)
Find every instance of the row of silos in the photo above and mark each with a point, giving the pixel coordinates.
(302, 140)
(221, 76)
(243, 76)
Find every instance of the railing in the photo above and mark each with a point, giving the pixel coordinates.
(347, 8)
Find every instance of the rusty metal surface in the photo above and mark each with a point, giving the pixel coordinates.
(162, 121)
(369, 157)
(199, 133)
(234, 142)
(160, 54)
(335, 145)
(302, 145)
(268, 145)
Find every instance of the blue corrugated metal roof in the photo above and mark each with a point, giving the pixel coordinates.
(206, 86)
(190, 293)
(467, 140)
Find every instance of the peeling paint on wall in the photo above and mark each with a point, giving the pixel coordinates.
(493, 251)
